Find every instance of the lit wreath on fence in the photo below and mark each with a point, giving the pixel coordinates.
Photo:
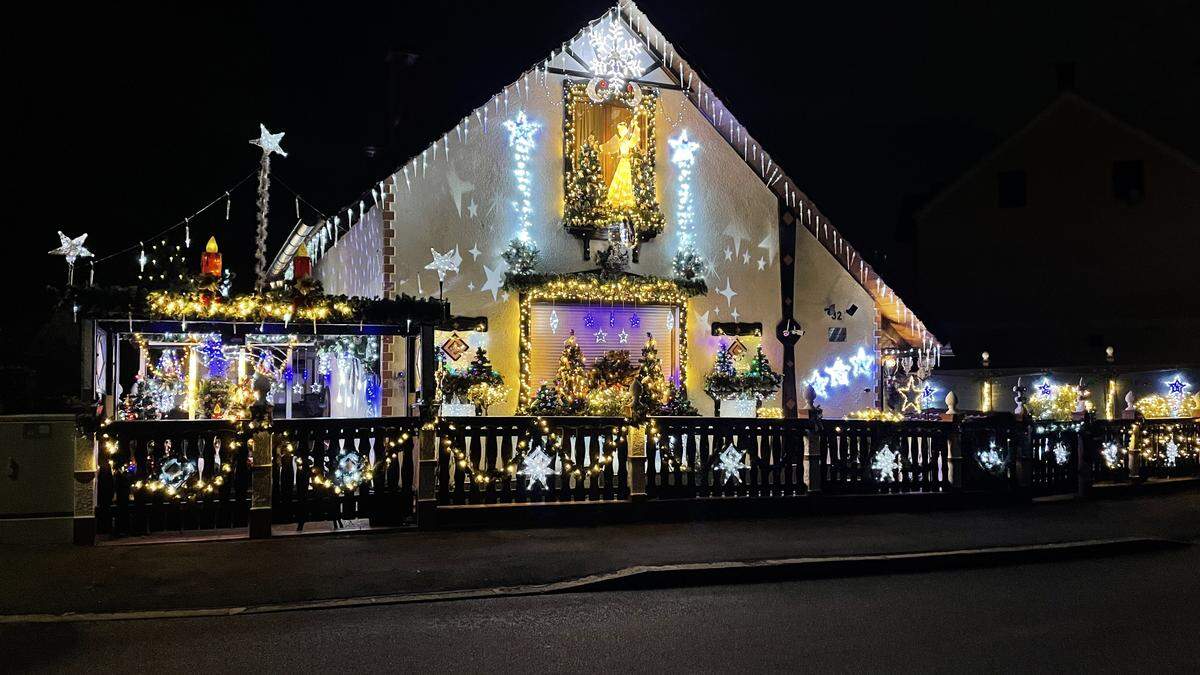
(535, 461)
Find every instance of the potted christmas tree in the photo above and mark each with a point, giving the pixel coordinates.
(476, 386)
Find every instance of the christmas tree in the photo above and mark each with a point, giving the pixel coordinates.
(678, 403)
(759, 377)
(648, 218)
(723, 381)
(545, 402)
(571, 379)
(613, 369)
(586, 192)
(480, 370)
(652, 384)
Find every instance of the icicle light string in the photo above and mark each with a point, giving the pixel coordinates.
(182, 223)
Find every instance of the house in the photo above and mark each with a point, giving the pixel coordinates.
(1077, 233)
(614, 152)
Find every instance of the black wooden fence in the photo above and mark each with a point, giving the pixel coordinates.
(688, 457)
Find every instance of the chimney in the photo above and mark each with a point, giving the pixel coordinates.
(1066, 75)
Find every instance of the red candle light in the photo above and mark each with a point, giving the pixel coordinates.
(301, 264)
(210, 260)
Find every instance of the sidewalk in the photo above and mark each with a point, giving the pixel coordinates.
(60, 579)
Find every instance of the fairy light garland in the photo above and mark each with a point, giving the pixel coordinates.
(537, 437)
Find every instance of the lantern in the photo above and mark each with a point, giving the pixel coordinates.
(210, 260)
(301, 264)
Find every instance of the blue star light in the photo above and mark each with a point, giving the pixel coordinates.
(1177, 386)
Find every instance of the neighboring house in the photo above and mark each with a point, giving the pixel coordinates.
(665, 144)
(1077, 233)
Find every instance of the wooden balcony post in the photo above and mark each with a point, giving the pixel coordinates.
(1085, 449)
(954, 441)
(812, 442)
(427, 458)
(1134, 451)
(636, 438)
(262, 459)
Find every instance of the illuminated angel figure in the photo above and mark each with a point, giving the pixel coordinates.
(620, 191)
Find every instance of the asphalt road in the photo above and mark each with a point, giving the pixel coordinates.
(1111, 614)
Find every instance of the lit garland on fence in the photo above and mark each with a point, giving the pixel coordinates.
(1169, 443)
(523, 459)
(619, 290)
(351, 468)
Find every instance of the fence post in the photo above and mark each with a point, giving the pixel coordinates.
(636, 438)
(1022, 468)
(812, 441)
(1084, 451)
(1134, 451)
(262, 459)
(954, 441)
(427, 450)
(84, 489)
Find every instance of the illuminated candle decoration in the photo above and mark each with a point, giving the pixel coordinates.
(210, 260)
(301, 263)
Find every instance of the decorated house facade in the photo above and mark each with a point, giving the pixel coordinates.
(605, 199)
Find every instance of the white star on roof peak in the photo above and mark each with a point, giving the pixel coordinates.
(268, 141)
(71, 249)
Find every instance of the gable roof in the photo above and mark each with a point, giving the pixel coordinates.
(1062, 100)
(668, 63)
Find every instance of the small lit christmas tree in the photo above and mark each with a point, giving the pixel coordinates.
(571, 379)
(723, 380)
(760, 378)
(545, 402)
(652, 390)
(586, 192)
(678, 403)
(648, 218)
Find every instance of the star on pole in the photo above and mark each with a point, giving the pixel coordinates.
(71, 249)
(1176, 386)
(268, 141)
(444, 262)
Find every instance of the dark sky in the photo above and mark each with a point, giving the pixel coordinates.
(132, 116)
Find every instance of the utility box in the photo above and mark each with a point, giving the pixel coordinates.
(37, 470)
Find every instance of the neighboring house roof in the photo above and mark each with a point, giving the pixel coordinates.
(1063, 99)
(670, 63)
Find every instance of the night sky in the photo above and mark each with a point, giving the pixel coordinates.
(132, 116)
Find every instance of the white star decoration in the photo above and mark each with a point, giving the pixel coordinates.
(728, 292)
(474, 251)
(71, 249)
(600, 336)
(745, 257)
(730, 462)
(728, 253)
(473, 208)
(768, 243)
(839, 373)
(685, 150)
(819, 384)
(861, 362)
(495, 279)
(444, 262)
(734, 314)
(623, 337)
(762, 264)
(458, 188)
(536, 468)
(268, 141)
(887, 463)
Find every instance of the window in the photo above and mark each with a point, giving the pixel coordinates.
(1128, 181)
(1010, 189)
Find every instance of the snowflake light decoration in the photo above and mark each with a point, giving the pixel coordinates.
(861, 362)
(1111, 452)
(1059, 453)
(616, 57)
(536, 468)
(1171, 453)
(729, 462)
(886, 463)
(589, 321)
(349, 472)
(991, 459)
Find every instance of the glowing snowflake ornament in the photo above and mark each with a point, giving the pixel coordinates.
(991, 459)
(616, 57)
(536, 468)
(1059, 453)
(1171, 453)
(729, 462)
(349, 471)
(886, 463)
(1111, 452)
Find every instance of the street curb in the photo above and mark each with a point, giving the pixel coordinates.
(642, 577)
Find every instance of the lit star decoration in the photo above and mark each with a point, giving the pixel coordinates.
(623, 337)
(819, 384)
(910, 396)
(729, 462)
(269, 142)
(886, 462)
(616, 57)
(520, 139)
(861, 363)
(71, 249)
(444, 262)
(601, 336)
(927, 393)
(1175, 394)
(1176, 386)
(1045, 388)
(536, 468)
(839, 373)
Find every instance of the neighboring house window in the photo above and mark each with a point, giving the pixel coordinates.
(1010, 189)
(1128, 181)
